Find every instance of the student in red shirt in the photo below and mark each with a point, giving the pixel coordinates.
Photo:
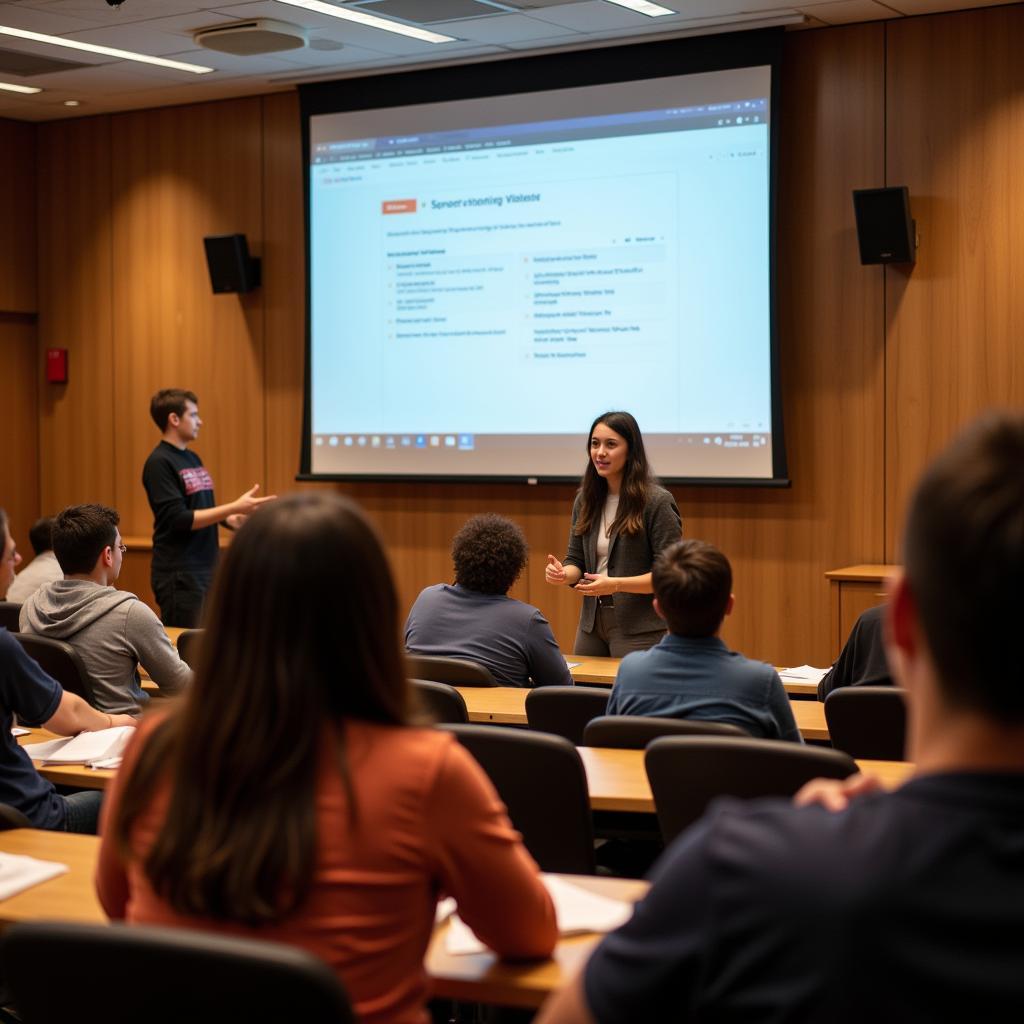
(288, 797)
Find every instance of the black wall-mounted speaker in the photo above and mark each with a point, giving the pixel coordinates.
(885, 230)
(232, 269)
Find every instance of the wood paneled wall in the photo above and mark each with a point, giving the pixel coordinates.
(19, 366)
(878, 366)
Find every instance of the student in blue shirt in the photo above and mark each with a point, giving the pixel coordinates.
(691, 673)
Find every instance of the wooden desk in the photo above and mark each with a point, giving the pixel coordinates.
(602, 672)
(506, 705)
(617, 779)
(478, 977)
(854, 590)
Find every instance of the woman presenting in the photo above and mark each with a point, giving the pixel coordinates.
(621, 520)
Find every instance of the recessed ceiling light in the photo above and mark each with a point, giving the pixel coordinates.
(644, 7)
(11, 87)
(370, 20)
(71, 103)
(107, 51)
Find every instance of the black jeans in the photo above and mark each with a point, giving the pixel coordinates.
(180, 595)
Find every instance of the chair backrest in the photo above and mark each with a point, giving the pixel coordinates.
(60, 661)
(634, 732)
(687, 772)
(164, 975)
(443, 703)
(868, 721)
(542, 782)
(9, 612)
(453, 671)
(188, 645)
(565, 710)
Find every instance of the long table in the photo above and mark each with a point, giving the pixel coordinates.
(476, 977)
(506, 705)
(602, 672)
(616, 779)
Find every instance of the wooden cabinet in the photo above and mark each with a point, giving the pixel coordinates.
(854, 590)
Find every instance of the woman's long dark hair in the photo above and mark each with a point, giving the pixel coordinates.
(636, 480)
(302, 630)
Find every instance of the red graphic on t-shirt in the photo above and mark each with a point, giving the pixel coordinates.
(196, 480)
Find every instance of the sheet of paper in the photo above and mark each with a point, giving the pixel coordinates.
(41, 751)
(19, 873)
(18, 731)
(87, 747)
(572, 664)
(803, 674)
(578, 910)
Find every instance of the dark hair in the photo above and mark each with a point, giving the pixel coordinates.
(168, 400)
(489, 553)
(3, 519)
(40, 535)
(302, 634)
(692, 581)
(636, 480)
(80, 533)
(964, 558)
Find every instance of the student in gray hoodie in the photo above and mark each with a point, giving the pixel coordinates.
(113, 631)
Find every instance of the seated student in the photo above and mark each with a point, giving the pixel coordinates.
(287, 796)
(28, 692)
(112, 630)
(476, 619)
(908, 905)
(862, 660)
(44, 568)
(691, 673)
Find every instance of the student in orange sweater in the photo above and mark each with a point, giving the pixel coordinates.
(288, 797)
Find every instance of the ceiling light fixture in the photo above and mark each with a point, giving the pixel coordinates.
(644, 7)
(11, 87)
(370, 20)
(106, 51)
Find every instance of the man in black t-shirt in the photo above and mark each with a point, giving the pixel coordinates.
(185, 514)
(857, 904)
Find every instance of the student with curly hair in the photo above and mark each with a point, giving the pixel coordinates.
(475, 618)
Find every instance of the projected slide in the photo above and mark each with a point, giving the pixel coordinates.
(484, 281)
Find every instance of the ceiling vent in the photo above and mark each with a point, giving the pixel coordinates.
(249, 38)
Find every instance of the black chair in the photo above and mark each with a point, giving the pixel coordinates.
(188, 645)
(441, 702)
(565, 710)
(868, 721)
(60, 661)
(543, 784)
(11, 817)
(634, 732)
(453, 671)
(687, 772)
(164, 976)
(9, 612)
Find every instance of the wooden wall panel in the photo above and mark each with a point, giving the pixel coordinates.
(178, 175)
(19, 455)
(831, 337)
(284, 289)
(18, 217)
(76, 427)
(956, 138)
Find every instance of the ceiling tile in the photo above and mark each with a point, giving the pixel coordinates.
(505, 28)
(846, 12)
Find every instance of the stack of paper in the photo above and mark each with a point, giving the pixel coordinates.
(803, 674)
(19, 873)
(86, 748)
(577, 909)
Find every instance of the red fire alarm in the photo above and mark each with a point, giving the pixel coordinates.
(56, 366)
